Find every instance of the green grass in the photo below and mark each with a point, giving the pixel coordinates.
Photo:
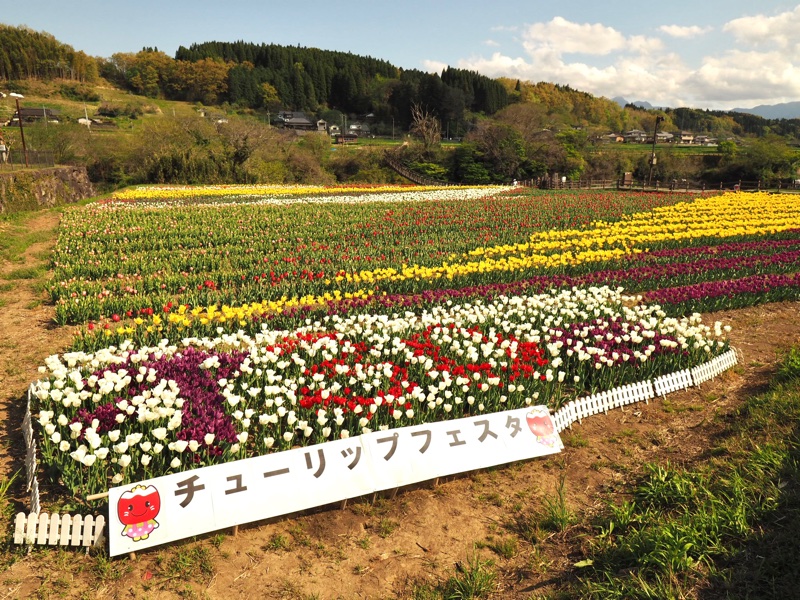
(504, 547)
(682, 150)
(188, 563)
(556, 514)
(729, 527)
(25, 273)
(473, 578)
(278, 542)
(386, 527)
(16, 236)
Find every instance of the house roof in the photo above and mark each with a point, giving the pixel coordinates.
(38, 112)
(294, 118)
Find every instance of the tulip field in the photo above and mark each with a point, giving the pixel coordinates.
(218, 323)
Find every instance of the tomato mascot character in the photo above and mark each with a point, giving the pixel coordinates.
(541, 425)
(137, 510)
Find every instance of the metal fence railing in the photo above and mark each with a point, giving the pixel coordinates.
(675, 185)
(16, 159)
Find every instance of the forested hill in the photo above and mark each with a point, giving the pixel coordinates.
(270, 77)
(305, 78)
(28, 54)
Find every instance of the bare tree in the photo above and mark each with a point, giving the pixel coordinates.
(425, 126)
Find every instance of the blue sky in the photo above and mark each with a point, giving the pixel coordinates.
(699, 53)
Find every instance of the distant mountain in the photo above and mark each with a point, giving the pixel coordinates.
(786, 110)
(622, 102)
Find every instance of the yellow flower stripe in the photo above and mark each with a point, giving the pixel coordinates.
(207, 315)
(722, 216)
(149, 192)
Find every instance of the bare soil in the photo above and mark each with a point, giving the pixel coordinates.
(383, 547)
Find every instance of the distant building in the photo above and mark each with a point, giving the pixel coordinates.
(294, 120)
(345, 138)
(635, 136)
(359, 129)
(705, 140)
(687, 137)
(31, 115)
(612, 138)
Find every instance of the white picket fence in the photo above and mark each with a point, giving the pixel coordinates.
(67, 530)
(58, 530)
(577, 410)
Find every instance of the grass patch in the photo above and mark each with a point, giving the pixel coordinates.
(574, 439)
(188, 563)
(556, 514)
(505, 547)
(475, 579)
(278, 542)
(17, 237)
(727, 529)
(25, 273)
(386, 527)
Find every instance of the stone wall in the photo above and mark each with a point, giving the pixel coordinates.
(43, 188)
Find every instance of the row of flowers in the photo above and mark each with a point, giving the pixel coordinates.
(645, 272)
(110, 261)
(266, 192)
(720, 217)
(125, 413)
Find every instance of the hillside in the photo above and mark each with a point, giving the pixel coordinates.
(785, 110)
(207, 116)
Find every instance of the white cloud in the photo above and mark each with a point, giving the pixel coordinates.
(780, 30)
(679, 31)
(741, 77)
(491, 43)
(643, 45)
(433, 66)
(566, 37)
(647, 68)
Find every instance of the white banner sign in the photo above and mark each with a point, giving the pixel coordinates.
(194, 502)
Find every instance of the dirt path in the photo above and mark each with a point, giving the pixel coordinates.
(27, 331)
(380, 548)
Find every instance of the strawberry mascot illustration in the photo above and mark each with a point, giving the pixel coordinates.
(541, 425)
(137, 510)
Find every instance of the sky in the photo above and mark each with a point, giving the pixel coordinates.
(718, 54)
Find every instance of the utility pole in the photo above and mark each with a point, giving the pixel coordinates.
(653, 160)
(22, 132)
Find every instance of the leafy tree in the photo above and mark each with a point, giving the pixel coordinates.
(467, 166)
(769, 158)
(501, 150)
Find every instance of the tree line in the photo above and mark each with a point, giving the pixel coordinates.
(29, 54)
(272, 77)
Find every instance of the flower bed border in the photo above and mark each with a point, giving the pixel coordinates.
(576, 410)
